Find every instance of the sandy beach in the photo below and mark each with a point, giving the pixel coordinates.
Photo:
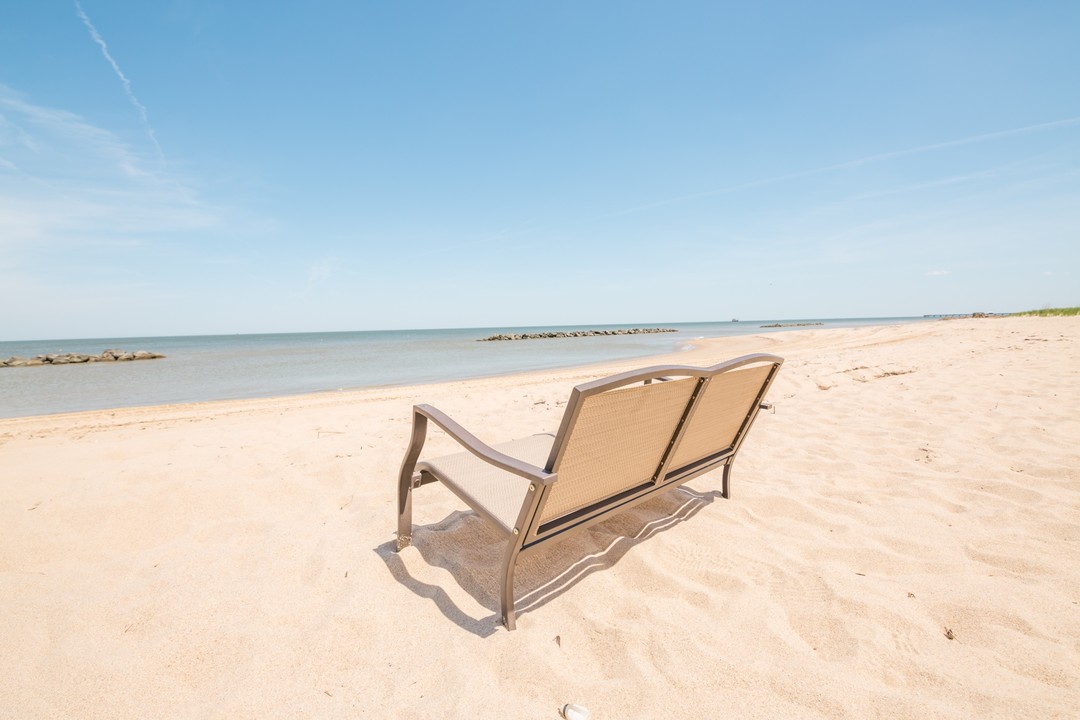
(902, 541)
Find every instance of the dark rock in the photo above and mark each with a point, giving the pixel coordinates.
(77, 358)
(776, 325)
(575, 333)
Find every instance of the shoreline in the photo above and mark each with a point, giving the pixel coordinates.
(585, 370)
(692, 344)
(900, 538)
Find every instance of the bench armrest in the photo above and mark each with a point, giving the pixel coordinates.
(479, 448)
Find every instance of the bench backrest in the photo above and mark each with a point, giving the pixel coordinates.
(627, 435)
(723, 408)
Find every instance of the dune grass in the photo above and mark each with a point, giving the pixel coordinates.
(1052, 312)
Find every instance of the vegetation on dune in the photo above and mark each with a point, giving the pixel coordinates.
(1049, 312)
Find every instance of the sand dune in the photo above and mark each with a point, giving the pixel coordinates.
(903, 540)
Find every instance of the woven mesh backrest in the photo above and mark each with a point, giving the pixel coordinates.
(616, 443)
(721, 409)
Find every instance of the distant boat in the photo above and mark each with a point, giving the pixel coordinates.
(734, 319)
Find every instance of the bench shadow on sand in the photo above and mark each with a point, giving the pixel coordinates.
(471, 551)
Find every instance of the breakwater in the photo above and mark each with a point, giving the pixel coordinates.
(784, 325)
(79, 358)
(575, 333)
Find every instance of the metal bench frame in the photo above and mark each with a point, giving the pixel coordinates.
(530, 531)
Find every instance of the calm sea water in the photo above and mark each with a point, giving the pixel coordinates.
(223, 367)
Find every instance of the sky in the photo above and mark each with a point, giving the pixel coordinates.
(176, 167)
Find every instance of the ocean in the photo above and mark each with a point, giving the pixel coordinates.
(225, 367)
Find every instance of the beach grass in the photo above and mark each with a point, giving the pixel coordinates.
(1052, 312)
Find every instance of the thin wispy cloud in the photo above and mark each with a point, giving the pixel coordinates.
(30, 122)
(123, 79)
(1027, 130)
(64, 181)
(926, 185)
(10, 133)
(938, 273)
(322, 270)
(858, 162)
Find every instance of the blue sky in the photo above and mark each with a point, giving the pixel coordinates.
(190, 167)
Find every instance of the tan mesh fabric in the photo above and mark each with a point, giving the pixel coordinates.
(616, 443)
(497, 491)
(721, 409)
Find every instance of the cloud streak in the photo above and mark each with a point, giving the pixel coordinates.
(322, 270)
(74, 131)
(96, 36)
(67, 183)
(859, 162)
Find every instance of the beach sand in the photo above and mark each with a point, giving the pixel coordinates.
(902, 540)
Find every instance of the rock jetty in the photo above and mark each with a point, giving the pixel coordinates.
(791, 325)
(77, 358)
(972, 316)
(575, 333)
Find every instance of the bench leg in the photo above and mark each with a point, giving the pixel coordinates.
(405, 481)
(404, 520)
(506, 602)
